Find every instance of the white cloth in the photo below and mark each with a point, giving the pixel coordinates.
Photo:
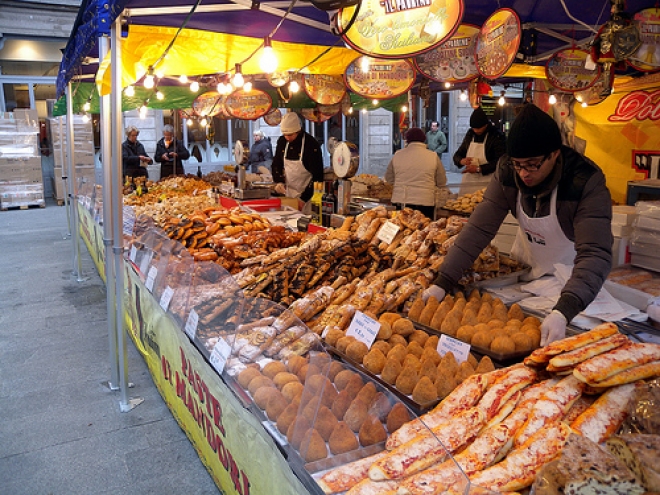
(470, 182)
(297, 176)
(540, 242)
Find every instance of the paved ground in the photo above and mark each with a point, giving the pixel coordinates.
(61, 432)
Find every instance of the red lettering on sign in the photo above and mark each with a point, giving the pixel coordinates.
(640, 105)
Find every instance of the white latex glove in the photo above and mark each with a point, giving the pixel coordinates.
(435, 291)
(553, 327)
(280, 188)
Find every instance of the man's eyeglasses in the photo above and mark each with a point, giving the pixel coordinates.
(531, 166)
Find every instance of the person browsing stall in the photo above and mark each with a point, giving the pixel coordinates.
(564, 210)
(436, 140)
(170, 153)
(482, 147)
(298, 161)
(261, 153)
(416, 173)
(134, 157)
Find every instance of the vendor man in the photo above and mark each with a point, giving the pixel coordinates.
(564, 210)
(298, 161)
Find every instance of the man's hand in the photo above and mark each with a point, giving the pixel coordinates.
(280, 188)
(435, 291)
(166, 156)
(553, 327)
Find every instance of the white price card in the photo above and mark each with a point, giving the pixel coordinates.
(363, 328)
(191, 324)
(387, 232)
(133, 253)
(144, 264)
(219, 355)
(166, 297)
(151, 278)
(459, 349)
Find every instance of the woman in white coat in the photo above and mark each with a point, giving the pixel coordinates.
(417, 174)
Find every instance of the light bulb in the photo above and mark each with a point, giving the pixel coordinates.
(183, 79)
(364, 110)
(350, 110)
(294, 87)
(87, 106)
(404, 108)
(160, 95)
(149, 81)
(203, 122)
(143, 111)
(238, 80)
(579, 98)
(160, 73)
(85, 118)
(447, 85)
(220, 88)
(501, 102)
(194, 86)
(247, 87)
(552, 100)
(463, 96)
(189, 122)
(268, 61)
(374, 102)
(364, 64)
(584, 104)
(129, 91)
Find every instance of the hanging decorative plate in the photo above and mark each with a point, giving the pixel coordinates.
(324, 89)
(208, 104)
(314, 115)
(647, 56)
(566, 70)
(384, 78)
(278, 79)
(273, 118)
(452, 61)
(598, 91)
(498, 43)
(393, 29)
(346, 105)
(329, 110)
(248, 105)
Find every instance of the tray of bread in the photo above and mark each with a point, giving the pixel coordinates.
(505, 334)
(405, 360)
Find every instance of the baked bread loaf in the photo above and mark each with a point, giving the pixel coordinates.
(641, 454)
(586, 468)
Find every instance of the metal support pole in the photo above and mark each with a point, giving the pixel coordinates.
(116, 218)
(73, 203)
(110, 276)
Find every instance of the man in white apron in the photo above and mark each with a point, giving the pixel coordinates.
(298, 161)
(564, 210)
(479, 152)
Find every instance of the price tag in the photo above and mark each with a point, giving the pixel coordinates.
(363, 328)
(151, 278)
(387, 232)
(191, 324)
(219, 355)
(166, 297)
(459, 349)
(144, 264)
(133, 253)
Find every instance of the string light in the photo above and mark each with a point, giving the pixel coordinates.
(584, 104)
(463, 96)
(160, 95)
(149, 79)
(203, 122)
(194, 86)
(86, 106)
(143, 110)
(552, 100)
(502, 101)
(579, 98)
(129, 91)
(350, 110)
(160, 73)
(374, 102)
(294, 87)
(238, 80)
(85, 118)
(364, 110)
(268, 61)
(247, 87)
(189, 122)
(183, 79)
(447, 85)
(404, 108)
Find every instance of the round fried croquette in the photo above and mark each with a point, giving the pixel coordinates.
(306, 371)
(312, 446)
(287, 417)
(333, 336)
(532, 320)
(397, 417)
(292, 390)
(396, 339)
(391, 371)
(389, 317)
(246, 376)
(283, 378)
(407, 380)
(419, 336)
(403, 326)
(425, 391)
(273, 368)
(522, 341)
(342, 378)
(483, 339)
(382, 346)
(374, 362)
(356, 414)
(385, 331)
(262, 395)
(276, 404)
(496, 323)
(372, 432)
(332, 369)
(503, 345)
(294, 363)
(344, 342)
(398, 352)
(535, 334)
(415, 349)
(356, 351)
(258, 382)
(342, 439)
(367, 393)
(341, 404)
(465, 333)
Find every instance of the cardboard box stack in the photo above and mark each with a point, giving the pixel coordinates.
(83, 153)
(622, 225)
(21, 183)
(645, 237)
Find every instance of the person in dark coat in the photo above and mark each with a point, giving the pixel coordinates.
(134, 157)
(261, 153)
(564, 211)
(170, 153)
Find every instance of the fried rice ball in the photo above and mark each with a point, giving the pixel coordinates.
(419, 336)
(342, 439)
(382, 346)
(356, 414)
(485, 365)
(273, 368)
(325, 422)
(294, 363)
(297, 430)
(385, 331)
(367, 393)
(380, 406)
(258, 382)
(307, 370)
(342, 378)
(398, 352)
(515, 311)
(371, 432)
(276, 404)
(333, 336)
(415, 349)
(483, 339)
(430, 354)
(283, 378)
(496, 323)
(472, 360)
(416, 308)
(397, 339)
(356, 351)
(535, 334)
(403, 326)
(479, 327)
(445, 384)
(484, 313)
(450, 325)
(465, 333)
(503, 345)
(465, 370)
(246, 376)
(425, 391)
(486, 297)
(292, 390)
(532, 320)
(411, 360)
(332, 369)
(312, 446)
(262, 395)
(389, 317)
(354, 385)
(397, 417)
(474, 295)
(341, 404)
(407, 380)
(432, 342)
(448, 364)
(522, 341)
(344, 342)
(391, 370)
(374, 361)
(287, 417)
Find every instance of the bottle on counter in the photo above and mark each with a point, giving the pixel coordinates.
(199, 171)
(329, 204)
(317, 204)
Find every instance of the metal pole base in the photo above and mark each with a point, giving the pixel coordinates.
(79, 278)
(132, 403)
(108, 384)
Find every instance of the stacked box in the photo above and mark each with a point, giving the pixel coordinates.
(645, 237)
(83, 153)
(622, 224)
(21, 182)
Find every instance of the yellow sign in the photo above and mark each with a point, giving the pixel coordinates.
(383, 79)
(248, 105)
(397, 28)
(324, 89)
(498, 42)
(452, 61)
(647, 56)
(566, 70)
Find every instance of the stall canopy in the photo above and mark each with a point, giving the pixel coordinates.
(219, 34)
